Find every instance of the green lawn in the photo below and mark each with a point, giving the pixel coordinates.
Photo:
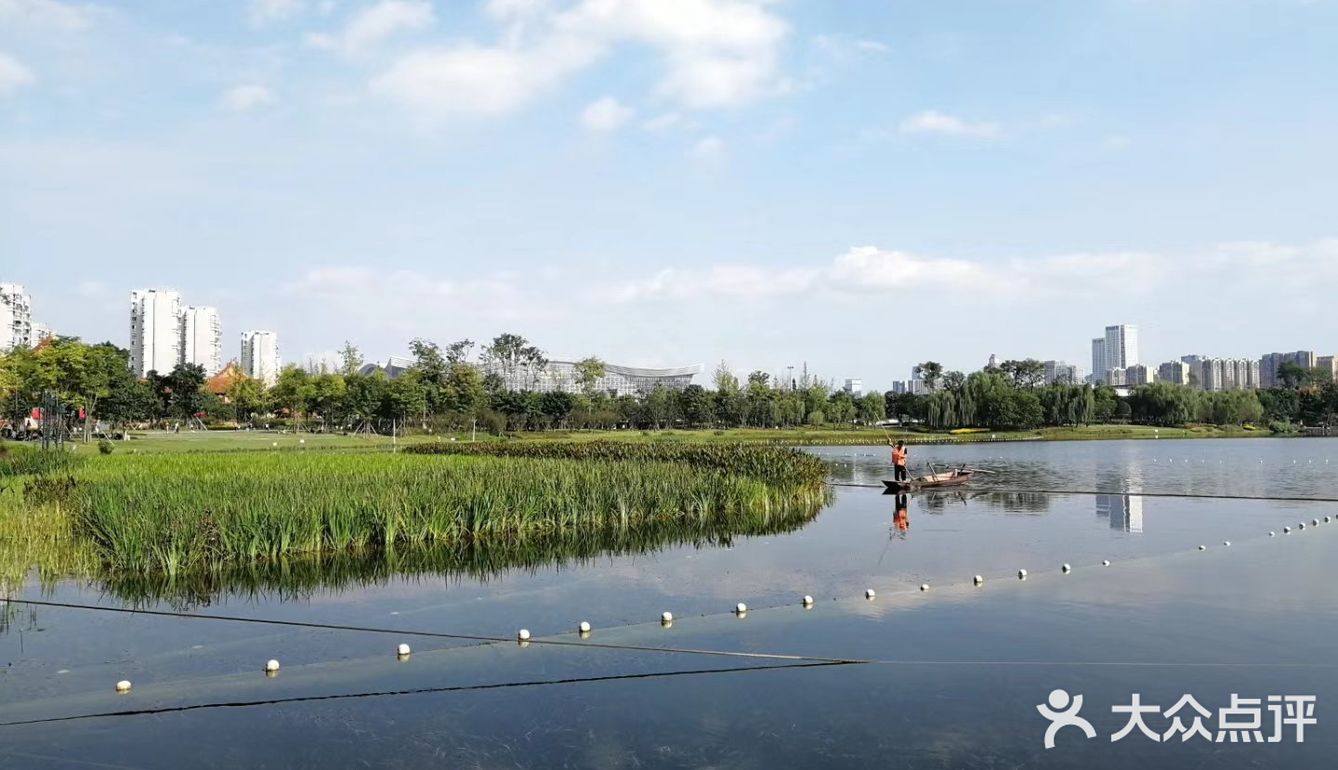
(214, 441)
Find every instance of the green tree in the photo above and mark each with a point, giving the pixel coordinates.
(930, 372)
(589, 371)
(513, 356)
(350, 359)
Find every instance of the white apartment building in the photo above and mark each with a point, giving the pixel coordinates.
(1328, 364)
(155, 331)
(260, 356)
(1099, 368)
(16, 318)
(1121, 346)
(1137, 374)
(1062, 373)
(202, 339)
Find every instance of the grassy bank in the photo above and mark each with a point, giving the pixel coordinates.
(189, 512)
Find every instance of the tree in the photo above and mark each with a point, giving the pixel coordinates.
(871, 408)
(293, 392)
(186, 384)
(350, 360)
(1027, 373)
(589, 371)
(512, 355)
(247, 396)
(1291, 375)
(458, 352)
(694, 406)
(930, 372)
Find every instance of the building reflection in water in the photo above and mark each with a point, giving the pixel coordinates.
(1123, 508)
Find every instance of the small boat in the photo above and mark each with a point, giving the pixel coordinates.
(953, 478)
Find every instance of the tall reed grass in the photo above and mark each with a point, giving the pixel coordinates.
(181, 513)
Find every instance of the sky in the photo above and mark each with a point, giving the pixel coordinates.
(859, 186)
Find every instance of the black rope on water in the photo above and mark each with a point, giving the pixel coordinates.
(1022, 491)
(420, 691)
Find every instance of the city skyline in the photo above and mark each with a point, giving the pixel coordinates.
(863, 185)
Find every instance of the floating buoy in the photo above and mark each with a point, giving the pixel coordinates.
(584, 628)
(1301, 525)
(1286, 530)
(1066, 568)
(1105, 562)
(740, 609)
(1203, 548)
(924, 586)
(1226, 543)
(1326, 519)
(1021, 574)
(1271, 533)
(978, 580)
(403, 651)
(1315, 522)
(271, 665)
(523, 635)
(666, 617)
(123, 685)
(869, 593)
(808, 600)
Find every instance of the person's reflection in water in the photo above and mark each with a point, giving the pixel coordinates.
(901, 520)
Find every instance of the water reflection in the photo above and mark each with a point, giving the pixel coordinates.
(1125, 512)
(300, 577)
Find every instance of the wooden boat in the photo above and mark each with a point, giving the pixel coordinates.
(953, 478)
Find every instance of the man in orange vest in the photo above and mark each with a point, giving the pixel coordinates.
(899, 462)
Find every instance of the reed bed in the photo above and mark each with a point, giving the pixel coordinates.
(774, 465)
(190, 513)
(19, 460)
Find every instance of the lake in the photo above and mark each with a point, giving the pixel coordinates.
(950, 676)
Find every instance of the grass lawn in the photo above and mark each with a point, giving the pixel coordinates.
(222, 441)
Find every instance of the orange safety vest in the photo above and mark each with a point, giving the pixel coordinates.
(898, 456)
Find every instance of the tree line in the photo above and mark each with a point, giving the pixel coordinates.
(450, 389)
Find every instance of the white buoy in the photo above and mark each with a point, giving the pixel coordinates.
(740, 609)
(1021, 574)
(403, 651)
(275, 444)
(1271, 533)
(978, 580)
(1286, 530)
(123, 685)
(1067, 568)
(1203, 548)
(924, 586)
(271, 665)
(666, 617)
(869, 593)
(1326, 519)
(1301, 525)
(1315, 522)
(523, 635)
(584, 627)
(1226, 543)
(1105, 562)
(808, 600)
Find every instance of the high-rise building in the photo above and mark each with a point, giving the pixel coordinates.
(1137, 374)
(854, 387)
(1328, 365)
(202, 339)
(1174, 372)
(1062, 373)
(155, 331)
(1099, 367)
(16, 318)
(1121, 346)
(260, 356)
(1269, 364)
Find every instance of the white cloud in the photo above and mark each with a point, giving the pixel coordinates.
(248, 96)
(270, 11)
(46, 13)
(1116, 142)
(708, 148)
(716, 53)
(605, 115)
(934, 122)
(361, 291)
(663, 121)
(372, 26)
(13, 75)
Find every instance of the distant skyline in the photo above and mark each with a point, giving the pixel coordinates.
(859, 186)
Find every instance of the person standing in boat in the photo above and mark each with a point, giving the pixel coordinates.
(899, 462)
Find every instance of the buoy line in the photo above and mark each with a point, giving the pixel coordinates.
(424, 691)
(439, 634)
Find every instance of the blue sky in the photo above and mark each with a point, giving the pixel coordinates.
(859, 185)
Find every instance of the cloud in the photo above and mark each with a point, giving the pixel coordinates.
(372, 26)
(663, 121)
(708, 148)
(716, 53)
(934, 122)
(49, 14)
(605, 115)
(13, 75)
(262, 12)
(247, 97)
(1116, 143)
(360, 292)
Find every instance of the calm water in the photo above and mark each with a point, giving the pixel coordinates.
(949, 677)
